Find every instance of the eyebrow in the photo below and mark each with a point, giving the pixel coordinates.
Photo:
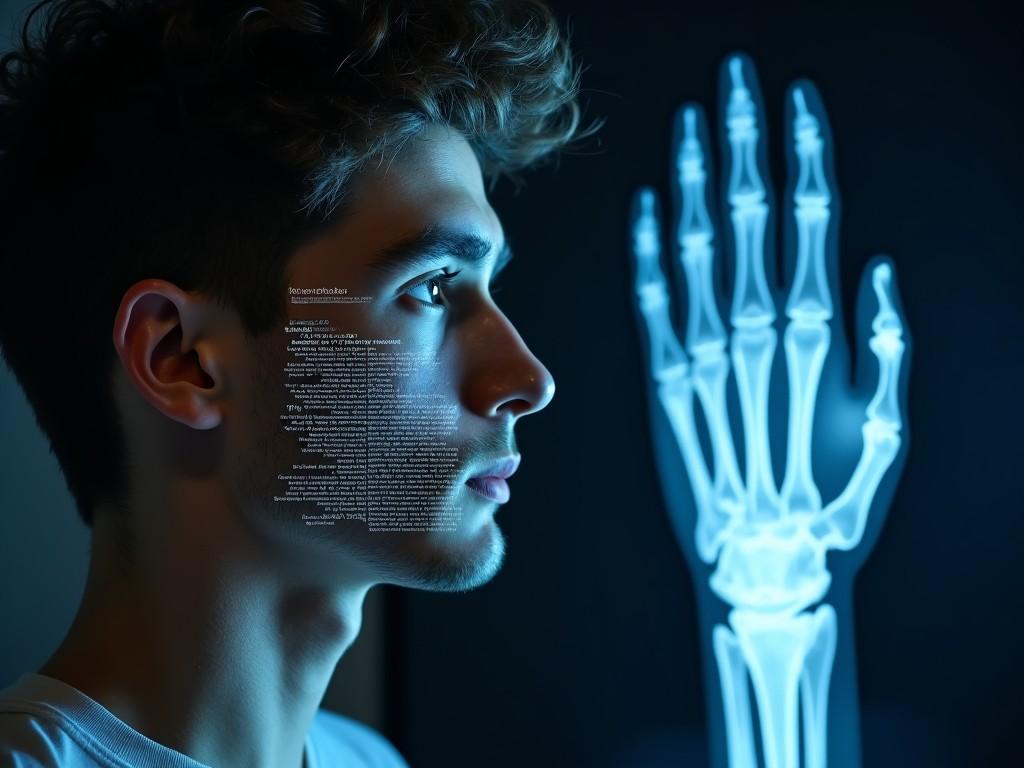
(434, 243)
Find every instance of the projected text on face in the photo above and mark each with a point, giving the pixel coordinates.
(374, 444)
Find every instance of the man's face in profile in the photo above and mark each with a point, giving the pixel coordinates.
(411, 224)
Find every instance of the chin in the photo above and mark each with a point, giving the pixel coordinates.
(447, 562)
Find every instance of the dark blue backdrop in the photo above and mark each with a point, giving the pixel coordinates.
(583, 651)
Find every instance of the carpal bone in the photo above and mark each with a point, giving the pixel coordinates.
(771, 569)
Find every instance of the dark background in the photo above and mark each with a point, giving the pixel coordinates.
(583, 651)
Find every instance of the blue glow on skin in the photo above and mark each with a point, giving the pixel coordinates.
(767, 543)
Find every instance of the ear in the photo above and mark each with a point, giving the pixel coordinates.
(163, 336)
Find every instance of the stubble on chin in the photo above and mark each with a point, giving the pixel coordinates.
(445, 565)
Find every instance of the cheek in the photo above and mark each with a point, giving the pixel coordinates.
(429, 375)
(265, 397)
(423, 402)
(258, 442)
(419, 419)
(425, 365)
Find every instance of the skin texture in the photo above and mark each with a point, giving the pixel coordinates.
(219, 637)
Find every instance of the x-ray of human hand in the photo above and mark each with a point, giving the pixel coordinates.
(766, 541)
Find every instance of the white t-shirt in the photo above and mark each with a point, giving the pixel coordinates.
(46, 723)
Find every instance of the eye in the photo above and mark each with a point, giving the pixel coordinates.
(431, 290)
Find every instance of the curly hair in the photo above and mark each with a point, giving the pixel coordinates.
(202, 141)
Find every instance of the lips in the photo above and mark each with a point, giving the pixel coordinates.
(491, 488)
(490, 483)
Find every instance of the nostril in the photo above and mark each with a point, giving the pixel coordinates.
(517, 407)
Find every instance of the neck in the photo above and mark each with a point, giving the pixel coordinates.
(208, 647)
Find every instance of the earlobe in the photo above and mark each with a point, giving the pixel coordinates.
(155, 332)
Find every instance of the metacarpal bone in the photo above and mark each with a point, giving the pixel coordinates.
(843, 520)
(753, 350)
(806, 345)
(676, 397)
(710, 372)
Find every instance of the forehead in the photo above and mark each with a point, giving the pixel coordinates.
(435, 178)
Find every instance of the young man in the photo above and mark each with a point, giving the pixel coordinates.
(191, 179)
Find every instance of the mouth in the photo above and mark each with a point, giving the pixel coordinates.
(490, 481)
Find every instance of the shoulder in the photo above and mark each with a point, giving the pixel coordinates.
(36, 740)
(46, 723)
(338, 740)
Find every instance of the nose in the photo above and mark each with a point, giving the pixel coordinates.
(505, 377)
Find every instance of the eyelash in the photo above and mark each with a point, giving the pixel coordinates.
(445, 278)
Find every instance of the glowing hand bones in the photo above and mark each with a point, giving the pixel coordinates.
(768, 541)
